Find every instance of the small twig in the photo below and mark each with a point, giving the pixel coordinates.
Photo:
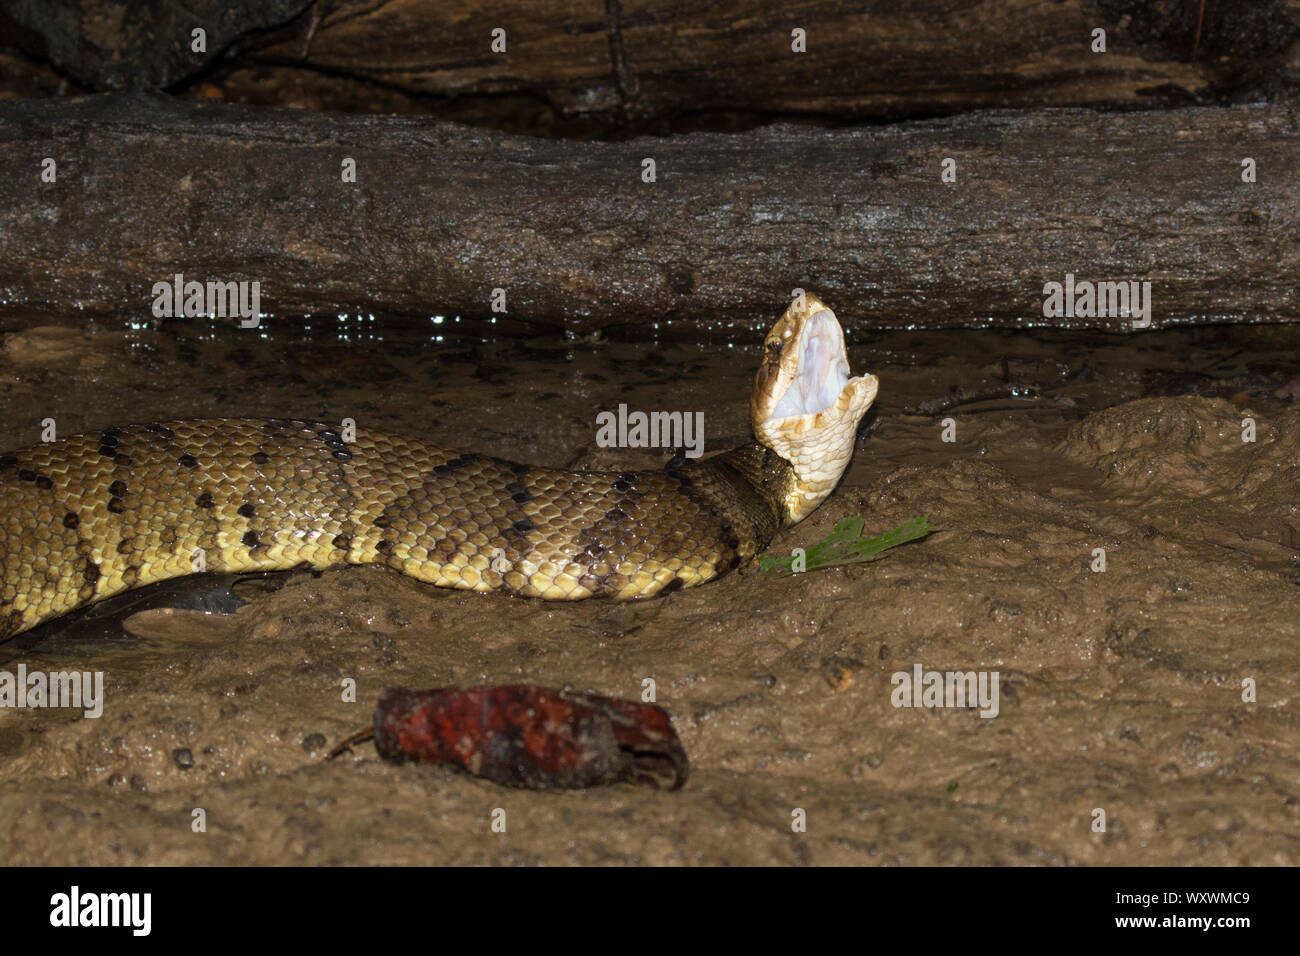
(313, 22)
(964, 396)
(1200, 18)
(347, 742)
(624, 79)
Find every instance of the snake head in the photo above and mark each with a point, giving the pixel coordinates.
(805, 407)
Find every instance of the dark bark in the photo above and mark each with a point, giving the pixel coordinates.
(657, 58)
(864, 58)
(441, 215)
(111, 45)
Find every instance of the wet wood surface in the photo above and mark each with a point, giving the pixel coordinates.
(440, 215)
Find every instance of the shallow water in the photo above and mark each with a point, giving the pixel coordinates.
(1119, 690)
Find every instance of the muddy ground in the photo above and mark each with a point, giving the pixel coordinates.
(1121, 690)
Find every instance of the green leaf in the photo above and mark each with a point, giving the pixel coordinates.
(845, 545)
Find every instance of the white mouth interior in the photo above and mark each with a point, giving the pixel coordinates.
(822, 372)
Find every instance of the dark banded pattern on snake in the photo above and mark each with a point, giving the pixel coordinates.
(92, 515)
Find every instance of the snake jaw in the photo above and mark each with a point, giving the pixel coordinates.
(805, 407)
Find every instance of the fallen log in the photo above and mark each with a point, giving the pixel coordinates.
(440, 216)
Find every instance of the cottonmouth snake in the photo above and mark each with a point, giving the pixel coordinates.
(89, 516)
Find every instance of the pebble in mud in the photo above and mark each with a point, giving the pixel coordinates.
(865, 764)
(838, 672)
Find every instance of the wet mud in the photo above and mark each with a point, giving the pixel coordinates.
(1158, 691)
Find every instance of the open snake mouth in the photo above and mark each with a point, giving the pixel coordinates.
(821, 367)
(805, 371)
(805, 407)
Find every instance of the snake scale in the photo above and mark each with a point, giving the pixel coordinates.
(89, 516)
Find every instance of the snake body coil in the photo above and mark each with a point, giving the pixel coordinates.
(89, 516)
